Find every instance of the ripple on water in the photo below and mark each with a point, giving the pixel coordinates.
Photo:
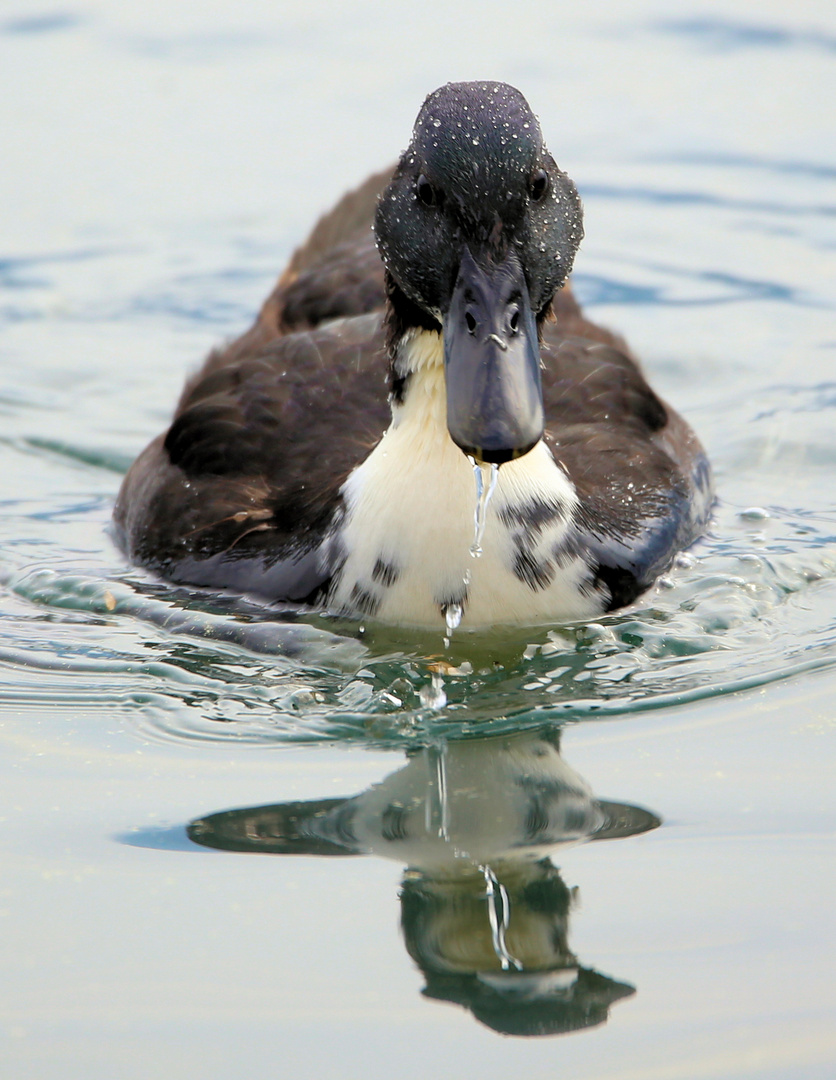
(748, 607)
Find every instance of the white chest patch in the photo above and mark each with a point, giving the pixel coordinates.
(409, 525)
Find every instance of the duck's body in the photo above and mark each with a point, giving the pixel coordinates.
(292, 470)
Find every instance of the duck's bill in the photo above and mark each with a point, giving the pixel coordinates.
(492, 362)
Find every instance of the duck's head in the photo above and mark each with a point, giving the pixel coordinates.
(478, 229)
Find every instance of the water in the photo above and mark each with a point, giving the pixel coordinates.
(484, 494)
(499, 913)
(453, 612)
(159, 166)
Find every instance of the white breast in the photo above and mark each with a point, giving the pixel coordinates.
(409, 525)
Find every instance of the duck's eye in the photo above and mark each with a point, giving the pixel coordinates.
(426, 192)
(539, 185)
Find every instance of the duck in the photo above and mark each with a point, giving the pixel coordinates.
(422, 427)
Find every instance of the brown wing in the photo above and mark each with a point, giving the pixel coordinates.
(639, 471)
(336, 273)
(241, 489)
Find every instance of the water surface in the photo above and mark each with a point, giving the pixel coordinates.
(160, 166)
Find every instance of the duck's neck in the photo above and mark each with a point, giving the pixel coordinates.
(405, 322)
(422, 403)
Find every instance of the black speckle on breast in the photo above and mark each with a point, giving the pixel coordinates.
(567, 550)
(533, 514)
(536, 573)
(527, 521)
(385, 573)
(335, 550)
(363, 601)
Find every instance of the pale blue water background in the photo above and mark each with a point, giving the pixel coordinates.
(159, 163)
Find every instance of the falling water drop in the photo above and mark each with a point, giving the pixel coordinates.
(483, 497)
(452, 617)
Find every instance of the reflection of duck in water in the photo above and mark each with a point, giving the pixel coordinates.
(484, 912)
(289, 472)
(513, 969)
